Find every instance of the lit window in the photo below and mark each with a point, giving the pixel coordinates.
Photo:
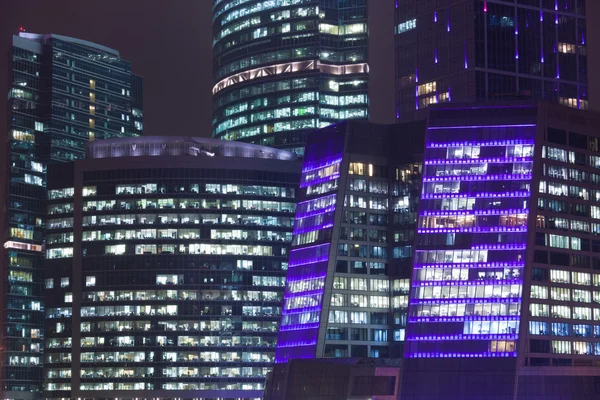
(406, 26)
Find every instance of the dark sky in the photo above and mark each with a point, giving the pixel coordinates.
(169, 44)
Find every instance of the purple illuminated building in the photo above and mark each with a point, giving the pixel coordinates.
(347, 285)
(487, 50)
(505, 291)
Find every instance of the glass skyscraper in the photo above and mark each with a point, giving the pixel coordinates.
(285, 67)
(485, 50)
(504, 295)
(349, 270)
(165, 269)
(63, 93)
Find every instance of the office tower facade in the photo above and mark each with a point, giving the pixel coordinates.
(286, 67)
(489, 50)
(347, 284)
(166, 263)
(504, 294)
(63, 93)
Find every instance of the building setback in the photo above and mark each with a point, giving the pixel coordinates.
(504, 295)
(489, 50)
(347, 284)
(63, 93)
(166, 263)
(285, 68)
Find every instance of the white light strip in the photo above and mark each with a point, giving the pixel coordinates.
(269, 70)
(22, 246)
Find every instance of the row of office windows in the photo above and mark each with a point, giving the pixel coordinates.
(104, 386)
(173, 326)
(361, 301)
(174, 218)
(193, 203)
(563, 312)
(180, 234)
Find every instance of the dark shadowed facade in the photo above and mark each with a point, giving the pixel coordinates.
(490, 50)
(335, 379)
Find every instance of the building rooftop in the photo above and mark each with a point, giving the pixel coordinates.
(181, 146)
(42, 37)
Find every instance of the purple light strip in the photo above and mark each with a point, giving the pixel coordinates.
(416, 97)
(483, 195)
(469, 300)
(288, 328)
(313, 228)
(496, 160)
(316, 181)
(471, 265)
(318, 199)
(461, 355)
(482, 126)
(481, 144)
(299, 343)
(294, 295)
(472, 230)
(498, 177)
(474, 212)
(498, 336)
(312, 213)
(500, 247)
(414, 320)
(482, 282)
(302, 278)
(301, 309)
(312, 166)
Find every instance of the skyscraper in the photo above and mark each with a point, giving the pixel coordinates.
(166, 263)
(349, 269)
(285, 67)
(504, 295)
(63, 93)
(484, 50)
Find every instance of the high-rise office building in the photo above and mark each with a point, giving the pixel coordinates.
(483, 50)
(505, 288)
(347, 284)
(63, 93)
(165, 270)
(283, 68)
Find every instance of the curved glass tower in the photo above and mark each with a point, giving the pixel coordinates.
(284, 67)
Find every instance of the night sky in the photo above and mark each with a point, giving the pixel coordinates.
(169, 44)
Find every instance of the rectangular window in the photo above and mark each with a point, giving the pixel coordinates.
(90, 281)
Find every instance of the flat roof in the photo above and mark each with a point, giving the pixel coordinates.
(46, 36)
(181, 146)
